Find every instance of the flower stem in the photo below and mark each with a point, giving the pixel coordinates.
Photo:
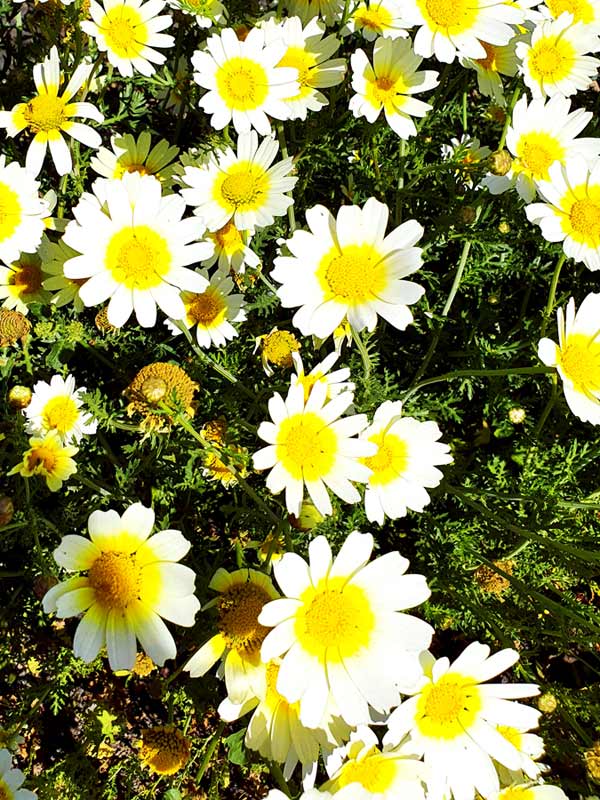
(552, 294)
(364, 354)
(476, 373)
(285, 154)
(507, 121)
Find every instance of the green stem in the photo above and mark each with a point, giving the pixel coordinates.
(402, 160)
(33, 525)
(477, 373)
(547, 408)
(552, 294)
(277, 774)
(285, 154)
(212, 746)
(363, 353)
(507, 121)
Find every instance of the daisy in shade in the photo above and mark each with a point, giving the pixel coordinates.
(348, 267)
(49, 457)
(341, 632)
(530, 747)
(211, 311)
(529, 791)
(49, 114)
(22, 211)
(378, 18)
(21, 283)
(310, 446)
(232, 251)
(277, 733)
(128, 154)
(405, 464)
(57, 406)
(128, 31)
(206, 12)
(571, 211)
(577, 357)
(330, 11)
(336, 381)
(555, 62)
(242, 596)
(389, 85)
(309, 53)
(241, 187)
(134, 248)
(243, 80)
(453, 718)
(11, 780)
(450, 27)
(132, 581)
(63, 290)
(542, 133)
(498, 60)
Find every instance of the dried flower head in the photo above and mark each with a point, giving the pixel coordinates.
(164, 749)
(491, 581)
(592, 761)
(14, 326)
(277, 348)
(7, 510)
(155, 387)
(102, 323)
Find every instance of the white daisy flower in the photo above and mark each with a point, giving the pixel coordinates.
(375, 18)
(447, 28)
(347, 267)
(405, 464)
(57, 406)
(134, 249)
(309, 445)
(570, 212)
(11, 780)
(49, 114)
(64, 290)
(309, 53)
(390, 85)
(585, 11)
(232, 251)
(211, 311)
(530, 746)
(541, 133)
(577, 357)
(206, 12)
(22, 211)
(330, 11)
(335, 382)
(340, 631)
(128, 154)
(499, 60)
(453, 718)
(529, 791)
(133, 581)
(467, 152)
(128, 31)
(555, 62)
(22, 283)
(243, 80)
(241, 187)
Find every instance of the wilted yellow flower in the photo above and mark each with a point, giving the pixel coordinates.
(48, 457)
(156, 385)
(592, 761)
(491, 581)
(164, 749)
(277, 348)
(13, 326)
(218, 470)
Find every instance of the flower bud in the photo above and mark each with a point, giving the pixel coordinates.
(19, 397)
(500, 162)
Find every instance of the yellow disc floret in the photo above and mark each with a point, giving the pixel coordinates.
(242, 188)
(164, 749)
(354, 274)
(537, 152)
(448, 707)
(60, 413)
(242, 83)
(375, 773)
(138, 257)
(206, 309)
(582, 10)
(10, 211)
(46, 112)
(125, 31)
(277, 348)
(306, 446)
(551, 59)
(453, 16)
(390, 460)
(580, 361)
(239, 607)
(115, 579)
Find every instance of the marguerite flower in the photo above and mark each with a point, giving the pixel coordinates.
(529, 791)
(134, 249)
(453, 718)
(232, 251)
(340, 631)
(206, 12)
(405, 464)
(278, 348)
(164, 749)
(242, 596)
(329, 10)
(448, 27)
(469, 155)
(375, 18)
(310, 446)
(389, 85)
(335, 382)
(64, 290)
(555, 61)
(48, 115)
(541, 133)
(530, 747)
(241, 187)
(49, 457)
(212, 311)
(571, 211)
(56, 406)
(22, 211)
(133, 580)
(577, 357)
(498, 60)
(347, 267)
(21, 283)
(11, 779)
(243, 80)
(129, 154)
(585, 11)
(128, 31)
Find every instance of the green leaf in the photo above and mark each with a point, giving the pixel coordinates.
(236, 752)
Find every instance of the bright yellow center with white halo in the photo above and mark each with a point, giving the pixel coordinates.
(25, 278)
(489, 62)
(582, 10)
(375, 18)
(125, 31)
(536, 151)
(43, 458)
(582, 220)
(10, 211)
(60, 413)
(448, 707)
(386, 91)
(308, 381)
(551, 59)
(335, 619)
(306, 446)
(580, 361)
(449, 16)
(375, 773)
(238, 609)
(206, 309)
(138, 257)
(115, 578)
(517, 793)
(228, 238)
(390, 460)
(45, 112)
(272, 697)
(243, 187)
(242, 83)
(305, 63)
(353, 275)
(514, 736)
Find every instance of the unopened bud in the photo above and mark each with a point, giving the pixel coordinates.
(154, 389)
(504, 227)
(19, 397)
(500, 162)
(7, 510)
(308, 518)
(517, 415)
(467, 215)
(547, 703)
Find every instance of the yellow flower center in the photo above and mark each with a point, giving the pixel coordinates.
(580, 361)
(242, 83)
(164, 749)
(375, 18)
(306, 446)
(26, 278)
(138, 257)
(278, 346)
(582, 10)
(551, 59)
(5, 792)
(115, 579)
(308, 381)
(238, 610)
(517, 793)
(451, 16)
(121, 169)
(489, 62)
(389, 462)
(46, 112)
(243, 188)
(305, 63)
(125, 31)
(354, 275)
(43, 458)
(514, 736)
(537, 152)
(375, 773)
(10, 211)
(335, 619)
(585, 220)
(60, 414)
(386, 91)
(206, 309)
(229, 238)
(448, 708)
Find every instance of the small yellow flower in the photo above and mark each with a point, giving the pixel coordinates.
(48, 457)
(276, 348)
(164, 749)
(218, 470)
